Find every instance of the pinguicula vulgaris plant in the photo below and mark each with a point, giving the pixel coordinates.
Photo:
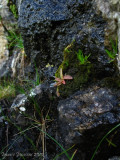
(61, 80)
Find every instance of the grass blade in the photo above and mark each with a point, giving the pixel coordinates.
(103, 140)
(73, 155)
(63, 152)
(55, 142)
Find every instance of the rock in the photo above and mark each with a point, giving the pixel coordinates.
(7, 62)
(23, 99)
(6, 15)
(19, 101)
(114, 158)
(49, 26)
(13, 66)
(18, 4)
(4, 53)
(37, 101)
(111, 11)
(85, 116)
(2, 133)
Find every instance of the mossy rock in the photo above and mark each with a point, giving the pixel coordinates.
(111, 82)
(71, 66)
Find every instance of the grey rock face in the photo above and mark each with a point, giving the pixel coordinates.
(114, 158)
(13, 66)
(111, 11)
(49, 26)
(85, 115)
(4, 53)
(8, 64)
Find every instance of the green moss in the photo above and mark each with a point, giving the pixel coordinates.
(15, 39)
(80, 73)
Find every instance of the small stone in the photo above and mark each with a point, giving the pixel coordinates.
(1, 119)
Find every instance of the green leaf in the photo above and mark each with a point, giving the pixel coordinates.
(110, 142)
(83, 59)
(110, 54)
(118, 125)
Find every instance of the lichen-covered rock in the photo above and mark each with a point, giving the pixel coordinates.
(87, 116)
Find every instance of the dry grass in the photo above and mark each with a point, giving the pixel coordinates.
(7, 91)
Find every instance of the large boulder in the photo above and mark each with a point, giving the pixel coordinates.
(86, 117)
(49, 26)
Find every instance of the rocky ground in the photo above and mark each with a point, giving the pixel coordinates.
(78, 116)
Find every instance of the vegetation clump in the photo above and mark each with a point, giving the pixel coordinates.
(83, 59)
(13, 8)
(71, 65)
(61, 80)
(114, 51)
(15, 40)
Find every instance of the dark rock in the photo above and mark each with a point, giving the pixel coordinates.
(49, 26)
(86, 117)
(22, 99)
(2, 131)
(5, 70)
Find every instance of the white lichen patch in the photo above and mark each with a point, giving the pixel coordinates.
(22, 109)
(32, 93)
